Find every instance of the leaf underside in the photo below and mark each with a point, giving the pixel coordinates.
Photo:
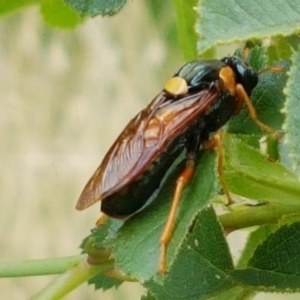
(223, 21)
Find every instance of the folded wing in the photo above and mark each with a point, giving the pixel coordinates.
(142, 141)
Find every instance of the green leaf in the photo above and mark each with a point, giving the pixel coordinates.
(235, 293)
(98, 240)
(96, 7)
(148, 296)
(226, 21)
(103, 282)
(255, 238)
(10, 6)
(280, 252)
(266, 281)
(294, 41)
(292, 111)
(186, 21)
(57, 14)
(201, 268)
(256, 57)
(101, 236)
(250, 174)
(275, 265)
(136, 249)
(280, 49)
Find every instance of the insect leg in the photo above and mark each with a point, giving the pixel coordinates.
(242, 96)
(216, 142)
(192, 146)
(182, 181)
(101, 220)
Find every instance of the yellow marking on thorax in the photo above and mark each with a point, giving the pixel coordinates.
(228, 78)
(176, 86)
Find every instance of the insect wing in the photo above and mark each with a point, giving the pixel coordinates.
(142, 141)
(120, 158)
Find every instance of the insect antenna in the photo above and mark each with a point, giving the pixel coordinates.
(271, 69)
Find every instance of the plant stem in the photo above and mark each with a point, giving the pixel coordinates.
(71, 279)
(256, 215)
(38, 267)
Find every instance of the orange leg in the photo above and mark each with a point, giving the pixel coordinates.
(246, 53)
(101, 220)
(216, 142)
(242, 96)
(182, 181)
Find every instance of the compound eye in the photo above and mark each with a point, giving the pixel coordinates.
(240, 69)
(176, 86)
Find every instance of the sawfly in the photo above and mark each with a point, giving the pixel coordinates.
(195, 103)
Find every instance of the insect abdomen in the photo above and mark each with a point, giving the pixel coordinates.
(135, 195)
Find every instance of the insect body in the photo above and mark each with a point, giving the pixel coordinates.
(200, 98)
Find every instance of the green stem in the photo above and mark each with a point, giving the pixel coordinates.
(38, 266)
(256, 215)
(71, 279)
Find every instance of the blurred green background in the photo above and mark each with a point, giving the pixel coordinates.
(65, 97)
